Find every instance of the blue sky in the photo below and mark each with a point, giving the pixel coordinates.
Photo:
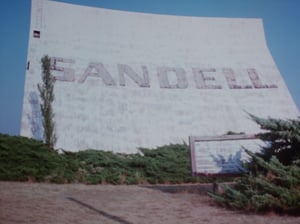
(281, 22)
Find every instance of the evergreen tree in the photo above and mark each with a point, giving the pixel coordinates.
(283, 137)
(277, 189)
(47, 97)
(273, 180)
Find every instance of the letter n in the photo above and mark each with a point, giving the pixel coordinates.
(125, 69)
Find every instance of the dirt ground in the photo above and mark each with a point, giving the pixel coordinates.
(77, 203)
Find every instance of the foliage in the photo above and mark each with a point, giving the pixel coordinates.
(283, 136)
(276, 190)
(166, 164)
(169, 164)
(47, 97)
(273, 181)
(23, 159)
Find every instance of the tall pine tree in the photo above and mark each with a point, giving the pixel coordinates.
(47, 98)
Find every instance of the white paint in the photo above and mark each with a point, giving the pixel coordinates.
(123, 118)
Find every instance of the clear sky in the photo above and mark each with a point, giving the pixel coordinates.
(281, 20)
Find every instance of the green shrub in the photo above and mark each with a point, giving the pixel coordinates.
(167, 164)
(283, 137)
(273, 181)
(276, 190)
(23, 159)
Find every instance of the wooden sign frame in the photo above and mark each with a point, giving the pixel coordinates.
(221, 155)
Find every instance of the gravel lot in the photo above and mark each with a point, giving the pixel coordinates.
(77, 203)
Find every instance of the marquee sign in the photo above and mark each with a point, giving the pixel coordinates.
(221, 155)
(127, 80)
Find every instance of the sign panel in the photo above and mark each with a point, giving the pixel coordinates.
(127, 80)
(221, 155)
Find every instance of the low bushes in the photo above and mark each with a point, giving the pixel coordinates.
(23, 159)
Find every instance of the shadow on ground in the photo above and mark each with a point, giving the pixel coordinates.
(186, 188)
